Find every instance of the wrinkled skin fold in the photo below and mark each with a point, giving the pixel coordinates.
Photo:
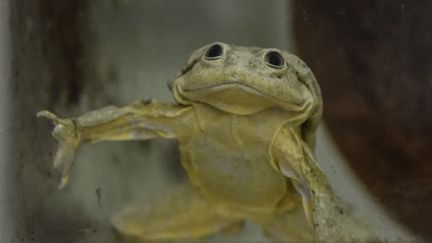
(245, 121)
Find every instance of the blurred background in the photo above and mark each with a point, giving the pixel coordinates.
(372, 59)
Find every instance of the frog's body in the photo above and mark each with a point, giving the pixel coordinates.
(245, 121)
(223, 167)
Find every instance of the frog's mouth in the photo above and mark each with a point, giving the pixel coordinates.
(228, 85)
(231, 96)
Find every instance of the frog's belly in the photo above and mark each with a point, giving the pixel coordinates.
(237, 179)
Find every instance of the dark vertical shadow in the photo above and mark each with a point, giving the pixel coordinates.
(48, 63)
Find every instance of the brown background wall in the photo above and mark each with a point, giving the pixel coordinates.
(374, 63)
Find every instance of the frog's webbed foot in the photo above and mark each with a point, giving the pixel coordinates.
(68, 137)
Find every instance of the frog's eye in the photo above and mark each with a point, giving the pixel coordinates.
(274, 59)
(214, 52)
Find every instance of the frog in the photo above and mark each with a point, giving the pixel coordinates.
(245, 120)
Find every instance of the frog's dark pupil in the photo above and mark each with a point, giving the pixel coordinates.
(214, 51)
(275, 59)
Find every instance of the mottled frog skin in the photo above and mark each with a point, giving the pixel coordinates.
(245, 121)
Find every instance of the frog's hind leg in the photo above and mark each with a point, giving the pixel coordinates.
(290, 226)
(181, 214)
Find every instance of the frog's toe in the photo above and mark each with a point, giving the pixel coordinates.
(63, 165)
(49, 115)
(63, 183)
(64, 160)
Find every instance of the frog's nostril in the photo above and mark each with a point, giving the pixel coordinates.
(214, 52)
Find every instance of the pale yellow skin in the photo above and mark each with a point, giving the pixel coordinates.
(246, 131)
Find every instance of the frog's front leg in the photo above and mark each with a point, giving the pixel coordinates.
(142, 120)
(324, 210)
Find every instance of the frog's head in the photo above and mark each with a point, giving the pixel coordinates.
(246, 80)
